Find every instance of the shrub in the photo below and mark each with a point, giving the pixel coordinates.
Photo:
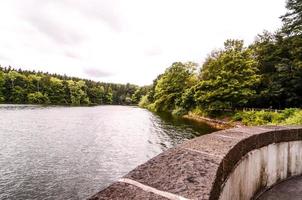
(179, 111)
(295, 119)
(290, 116)
(144, 102)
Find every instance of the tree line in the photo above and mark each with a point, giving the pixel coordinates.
(23, 87)
(265, 74)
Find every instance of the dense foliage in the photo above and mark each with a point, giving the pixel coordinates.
(293, 18)
(169, 88)
(289, 116)
(42, 88)
(266, 74)
(228, 78)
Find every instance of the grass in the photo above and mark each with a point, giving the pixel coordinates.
(290, 116)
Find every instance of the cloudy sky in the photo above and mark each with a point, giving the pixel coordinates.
(125, 41)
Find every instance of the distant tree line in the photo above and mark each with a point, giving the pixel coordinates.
(266, 74)
(22, 87)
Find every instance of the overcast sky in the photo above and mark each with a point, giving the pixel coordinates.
(125, 40)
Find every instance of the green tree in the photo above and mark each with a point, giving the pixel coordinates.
(2, 82)
(139, 93)
(18, 95)
(109, 96)
(228, 78)
(34, 82)
(12, 76)
(37, 98)
(280, 65)
(97, 94)
(78, 95)
(171, 85)
(55, 91)
(292, 20)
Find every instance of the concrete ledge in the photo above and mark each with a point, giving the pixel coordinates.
(203, 167)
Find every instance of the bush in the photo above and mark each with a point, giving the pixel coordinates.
(238, 116)
(199, 111)
(291, 116)
(295, 119)
(144, 102)
(179, 111)
(288, 113)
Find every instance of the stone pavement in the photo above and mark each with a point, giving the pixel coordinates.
(287, 190)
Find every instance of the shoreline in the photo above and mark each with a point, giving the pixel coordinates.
(216, 123)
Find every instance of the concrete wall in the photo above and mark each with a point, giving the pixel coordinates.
(262, 168)
(228, 165)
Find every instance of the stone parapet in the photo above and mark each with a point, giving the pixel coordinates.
(207, 166)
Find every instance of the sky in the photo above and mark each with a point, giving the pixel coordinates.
(125, 41)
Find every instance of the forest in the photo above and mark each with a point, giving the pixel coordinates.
(30, 87)
(265, 74)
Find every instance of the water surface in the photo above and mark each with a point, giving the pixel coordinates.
(73, 152)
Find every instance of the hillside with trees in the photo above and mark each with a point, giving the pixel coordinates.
(265, 74)
(29, 87)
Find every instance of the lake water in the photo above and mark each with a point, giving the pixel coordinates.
(73, 152)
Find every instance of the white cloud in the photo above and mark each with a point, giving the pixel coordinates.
(96, 73)
(125, 41)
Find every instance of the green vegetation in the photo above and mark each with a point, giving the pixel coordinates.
(228, 78)
(168, 90)
(293, 18)
(265, 74)
(22, 87)
(290, 116)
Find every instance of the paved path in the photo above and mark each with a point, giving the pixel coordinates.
(287, 190)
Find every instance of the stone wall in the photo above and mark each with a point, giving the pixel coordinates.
(228, 165)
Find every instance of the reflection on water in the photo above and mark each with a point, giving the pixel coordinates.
(73, 152)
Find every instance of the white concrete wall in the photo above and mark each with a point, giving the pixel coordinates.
(263, 168)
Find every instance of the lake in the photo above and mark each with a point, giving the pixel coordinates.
(58, 152)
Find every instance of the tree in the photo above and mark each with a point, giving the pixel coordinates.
(228, 78)
(37, 98)
(2, 82)
(280, 65)
(171, 85)
(77, 94)
(16, 90)
(97, 94)
(144, 102)
(139, 93)
(18, 95)
(34, 82)
(109, 96)
(12, 76)
(292, 20)
(55, 91)
(151, 93)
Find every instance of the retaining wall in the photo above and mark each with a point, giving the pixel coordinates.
(232, 164)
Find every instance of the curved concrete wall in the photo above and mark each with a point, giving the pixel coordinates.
(230, 164)
(262, 168)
